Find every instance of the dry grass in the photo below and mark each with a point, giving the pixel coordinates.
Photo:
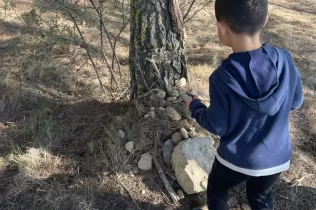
(59, 147)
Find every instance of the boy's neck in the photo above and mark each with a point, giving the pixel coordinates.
(244, 43)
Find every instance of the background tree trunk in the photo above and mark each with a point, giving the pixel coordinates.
(157, 56)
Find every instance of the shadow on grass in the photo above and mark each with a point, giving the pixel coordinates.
(63, 193)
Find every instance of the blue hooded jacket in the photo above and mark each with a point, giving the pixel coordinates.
(252, 94)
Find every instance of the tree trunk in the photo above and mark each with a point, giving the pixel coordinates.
(157, 58)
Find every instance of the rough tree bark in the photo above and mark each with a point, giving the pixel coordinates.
(157, 56)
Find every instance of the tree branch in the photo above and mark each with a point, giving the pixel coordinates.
(197, 11)
(85, 47)
(107, 34)
(189, 9)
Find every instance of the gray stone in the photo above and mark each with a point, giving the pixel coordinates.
(106, 173)
(162, 103)
(173, 114)
(161, 94)
(174, 93)
(176, 137)
(192, 129)
(121, 134)
(182, 82)
(152, 114)
(145, 162)
(194, 92)
(185, 124)
(161, 109)
(204, 184)
(184, 133)
(182, 92)
(193, 134)
(129, 146)
(152, 108)
(184, 96)
(146, 116)
(169, 208)
(135, 170)
(169, 89)
(131, 173)
(170, 99)
(167, 151)
(179, 100)
(192, 161)
(180, 194)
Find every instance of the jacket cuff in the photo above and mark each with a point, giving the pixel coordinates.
(194, 103)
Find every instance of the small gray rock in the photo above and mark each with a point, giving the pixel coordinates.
(173, 114)
(162, 103)
(184, 133)
(174, 93)
(121, 134)
(179, 100)
(180, 194)
(152, 114)
(129, 146)
(152, 108)
(185, 124)
(161, 94)
(204, 184)
(192, 129)
(184, 96)
(167, 151)
(194, 92)
(169, 208)
(135, 170)
(169, 89)
(170, 99)
(146, 116)
(161, 109)
(145, 162)
(182, 92)
(176, 138)
(182, 82)
(193, 134)
(131, 173)
(105, 173)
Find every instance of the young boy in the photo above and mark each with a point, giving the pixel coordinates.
(252, 94)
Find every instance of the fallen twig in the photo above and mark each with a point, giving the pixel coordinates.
(130, 194)
(298, 181)
(175, 198)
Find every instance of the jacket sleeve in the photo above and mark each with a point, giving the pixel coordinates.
(215, 117)
(298, 95)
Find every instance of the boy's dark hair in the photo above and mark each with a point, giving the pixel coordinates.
(242, 16)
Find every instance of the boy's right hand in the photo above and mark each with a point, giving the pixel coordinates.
(190, 99)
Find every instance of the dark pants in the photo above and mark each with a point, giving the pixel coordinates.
(222, 179)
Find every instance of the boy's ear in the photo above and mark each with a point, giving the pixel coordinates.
(267, 19)
(221, 28)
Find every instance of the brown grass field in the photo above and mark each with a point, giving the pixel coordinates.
(59, 147)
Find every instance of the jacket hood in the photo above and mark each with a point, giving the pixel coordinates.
(258, 77)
